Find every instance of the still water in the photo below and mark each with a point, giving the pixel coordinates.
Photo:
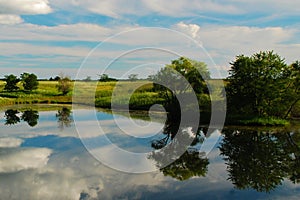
(42, 156)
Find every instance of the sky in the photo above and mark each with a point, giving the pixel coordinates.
(81, 38)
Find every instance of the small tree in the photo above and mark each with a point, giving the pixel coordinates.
(88, 79)
(11, 83)
(105, 78)
(30, 81)
(64, 85)
(133, 77)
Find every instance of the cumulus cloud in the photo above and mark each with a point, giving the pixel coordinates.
(190, 29)
(20, 7)
(10, 19)
(13, 160)
(10, 142)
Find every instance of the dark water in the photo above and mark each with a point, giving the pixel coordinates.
(42, 156)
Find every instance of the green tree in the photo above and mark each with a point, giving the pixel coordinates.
(133, 77)
(11, 83)
(64, 85)
(105, 78)
(30, 81)
(180, 78)
(257, 85)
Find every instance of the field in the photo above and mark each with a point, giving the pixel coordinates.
(102, 92)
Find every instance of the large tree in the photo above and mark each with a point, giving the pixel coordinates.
(179, 78)
(11, 83)
(30, 81)
(257, 85)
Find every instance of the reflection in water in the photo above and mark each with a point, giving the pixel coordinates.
(64, 118)
(44, 163)
(11, 117)
(31, 117)
(191, 163)
(261, 160)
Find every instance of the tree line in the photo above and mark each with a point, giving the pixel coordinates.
(261, 85)
(30, 83)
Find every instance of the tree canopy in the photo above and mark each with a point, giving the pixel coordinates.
(11, 82)
(262, 85)
(30, 81)
(181, 77)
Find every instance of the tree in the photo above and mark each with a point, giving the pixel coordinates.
(30, 81)
(64, 84)
(179, 79)
(257, 85)
(88, 79)
(133, 77)
(11, 83)
(105, 78)
(57, 78)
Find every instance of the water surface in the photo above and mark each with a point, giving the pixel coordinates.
(42, 156)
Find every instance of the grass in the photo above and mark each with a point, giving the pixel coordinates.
(46, 93)
(256, 121)
(138, 95)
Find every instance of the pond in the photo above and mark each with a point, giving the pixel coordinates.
(48, 152)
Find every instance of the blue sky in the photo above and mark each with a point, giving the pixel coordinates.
(49, 37)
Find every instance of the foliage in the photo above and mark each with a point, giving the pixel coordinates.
(30, 81)
(64, 85)
(133, 77)
(257, 85)
(179, 78)
(11, 83)
(106, 78)
(88, 79)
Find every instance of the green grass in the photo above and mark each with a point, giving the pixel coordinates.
(46, 93)
(256, 121)
(139, 94)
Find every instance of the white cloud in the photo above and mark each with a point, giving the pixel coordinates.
(120, 8)
(10, 142)
(223, 43)
(190, 29)
(10, 19)
(20, 7)
(13, 160)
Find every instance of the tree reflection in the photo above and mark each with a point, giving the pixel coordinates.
(64, 117)
(31, 117)
(191, 163)
(11, 117)
(260, 160)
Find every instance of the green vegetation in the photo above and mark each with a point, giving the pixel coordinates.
(64, 85)
(261, 90)
(262, 87)
(11, 83)
(29, 81)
